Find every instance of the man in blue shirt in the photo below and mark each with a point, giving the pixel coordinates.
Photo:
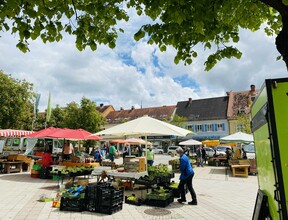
(186, 177)
(99, 155)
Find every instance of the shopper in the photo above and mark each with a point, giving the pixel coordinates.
(126, 151)
(199, 157)
(150, 156)
(99, 155)
(204, 155)
(68, 150)
(112, 152)
(186, 177)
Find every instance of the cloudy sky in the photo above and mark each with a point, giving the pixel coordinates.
(134, 73)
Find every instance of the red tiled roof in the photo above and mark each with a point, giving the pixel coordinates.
(164, 112)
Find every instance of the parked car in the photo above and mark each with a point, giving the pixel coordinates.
(209, 151)
(172, 149)
(221, 150)
(249, 150)
(158, 150)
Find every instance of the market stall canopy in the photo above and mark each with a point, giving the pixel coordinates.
(190, 142)
(145, 126)
(71, 134)
(43, 133)
(117, 141)
(74, 134)
(211, 143)
(14, 133)
(137, 141)
(238, 137)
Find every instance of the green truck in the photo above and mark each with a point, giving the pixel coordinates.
(270, 130)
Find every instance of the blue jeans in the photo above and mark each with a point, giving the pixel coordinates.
(112, 157)
(150, 162)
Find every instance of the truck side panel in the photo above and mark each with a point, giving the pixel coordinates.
(269, 125)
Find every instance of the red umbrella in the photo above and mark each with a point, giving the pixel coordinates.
(43, 133)
(67, 133)
(76, 134)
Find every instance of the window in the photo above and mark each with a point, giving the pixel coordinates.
(220, 127)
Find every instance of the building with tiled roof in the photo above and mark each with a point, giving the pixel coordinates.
(206, 117)
(239, 103)
(105, 109)
(161, 113)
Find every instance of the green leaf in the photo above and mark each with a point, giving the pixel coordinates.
(285, 2)
(140, 34)
(189, 61)
(26, 34)
(278, 58)
(163, 48)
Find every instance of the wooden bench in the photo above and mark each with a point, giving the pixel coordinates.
(240, 170)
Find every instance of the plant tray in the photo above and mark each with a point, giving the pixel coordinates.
(137, 202)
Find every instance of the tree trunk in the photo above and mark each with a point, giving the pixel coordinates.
(282, 44)
(282, 38)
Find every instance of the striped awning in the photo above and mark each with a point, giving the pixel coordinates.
(14, 133)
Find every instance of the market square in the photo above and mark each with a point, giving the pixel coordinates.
(220, 196)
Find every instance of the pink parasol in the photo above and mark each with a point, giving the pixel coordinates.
(67, 133)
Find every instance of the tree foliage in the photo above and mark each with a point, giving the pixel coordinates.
(243, 121)
(178, 120)
(16, 98)
(182, 24)
(84, 116)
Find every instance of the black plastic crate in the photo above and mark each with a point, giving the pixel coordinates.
(176, 192)
(111, 201)
(110, 193)
(102, 195)
(72, 204)
(159, 203)
(45, 173)
(109, 209)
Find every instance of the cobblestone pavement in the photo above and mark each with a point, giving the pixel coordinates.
(220, 196)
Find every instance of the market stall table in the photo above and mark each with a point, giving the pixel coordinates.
(102, 172)
(12, 166)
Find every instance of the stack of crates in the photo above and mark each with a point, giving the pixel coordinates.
(104, 198)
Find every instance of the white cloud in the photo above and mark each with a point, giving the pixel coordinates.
(135, 73)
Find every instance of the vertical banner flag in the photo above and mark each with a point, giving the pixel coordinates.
(49, 109)
(37, 104)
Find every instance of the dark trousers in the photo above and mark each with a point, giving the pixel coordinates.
(188, 183)
(67, 156)
(150, 162)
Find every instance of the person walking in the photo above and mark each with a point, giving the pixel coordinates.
(204, 155)
(199, 157)
(112, 152)
(186, 177)
(150, 156)
(99, 155)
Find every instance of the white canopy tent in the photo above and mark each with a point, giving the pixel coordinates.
(145, 126)
(190, 142)
(238, 137)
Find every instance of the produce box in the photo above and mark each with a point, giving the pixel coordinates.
(72, 204)
(159, 203)
(133, 200)
(37, 167)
